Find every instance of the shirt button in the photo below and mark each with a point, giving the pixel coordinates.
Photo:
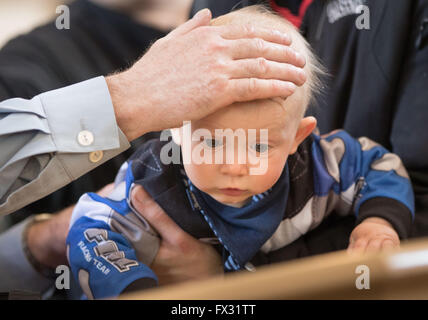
(96, 156)
(85, 138)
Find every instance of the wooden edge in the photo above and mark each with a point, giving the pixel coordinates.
(397, 274)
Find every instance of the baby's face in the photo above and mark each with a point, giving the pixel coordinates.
(234, 183)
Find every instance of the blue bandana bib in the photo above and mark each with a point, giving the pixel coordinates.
(242, 231)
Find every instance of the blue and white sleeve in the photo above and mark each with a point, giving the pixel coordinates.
(366, 178)
(102, 259)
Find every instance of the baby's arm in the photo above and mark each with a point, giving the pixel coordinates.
(102, 259)
(373, 183)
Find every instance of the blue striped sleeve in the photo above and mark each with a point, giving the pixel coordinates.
(372, 180)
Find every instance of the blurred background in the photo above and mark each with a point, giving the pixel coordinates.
(20, 16)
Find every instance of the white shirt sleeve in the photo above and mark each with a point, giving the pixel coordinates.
(53, 139)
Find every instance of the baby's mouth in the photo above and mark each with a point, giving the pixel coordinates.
(234, 192)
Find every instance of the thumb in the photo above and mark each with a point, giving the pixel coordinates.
(201, 18)
(148, 208)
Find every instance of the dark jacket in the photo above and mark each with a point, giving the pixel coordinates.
(378, 84)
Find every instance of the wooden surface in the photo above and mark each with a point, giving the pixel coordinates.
(399, 274)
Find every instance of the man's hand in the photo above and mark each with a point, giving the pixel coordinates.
(46, 240)
(197, 69)
(180, 257)
(371, 235)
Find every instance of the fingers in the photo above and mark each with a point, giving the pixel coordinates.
(389, 245)
(379, 244)
(201, 18)
(154, 214)
(358, 246)
(253, 89)
(265, 69)
(371, 245)
(374, 245)
(255, 48)
(233, 32)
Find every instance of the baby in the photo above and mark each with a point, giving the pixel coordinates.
(251, 178)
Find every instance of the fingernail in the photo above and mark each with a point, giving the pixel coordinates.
(300, 59)
(201, 13)
(136, 195)
(285, 37)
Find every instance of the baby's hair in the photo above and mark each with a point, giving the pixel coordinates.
(262, 16)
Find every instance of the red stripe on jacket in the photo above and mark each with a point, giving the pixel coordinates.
(286, 13)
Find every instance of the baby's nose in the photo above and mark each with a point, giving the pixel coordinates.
(235, 169)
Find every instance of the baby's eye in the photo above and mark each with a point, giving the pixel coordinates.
(260, 147)
(213, 143)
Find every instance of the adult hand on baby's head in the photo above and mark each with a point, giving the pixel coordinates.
(197, 69)
(180, 257)
(371, 235)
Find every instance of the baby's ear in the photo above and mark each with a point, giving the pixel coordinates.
(306, 126)
(176, 135)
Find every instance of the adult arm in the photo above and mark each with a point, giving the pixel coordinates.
(53, 139)
(16, 271)
(30, 269)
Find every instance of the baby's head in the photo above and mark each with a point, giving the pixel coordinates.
(209, 144)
